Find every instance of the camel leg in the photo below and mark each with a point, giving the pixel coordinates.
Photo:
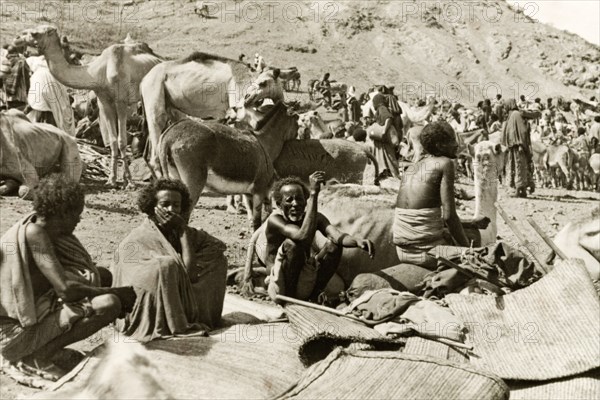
(122, 112)
(153, 95)
(108, 115)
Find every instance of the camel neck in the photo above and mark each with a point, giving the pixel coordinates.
(73, 76)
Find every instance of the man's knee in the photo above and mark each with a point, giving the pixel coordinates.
(107, 305)
(329, 250)
(289, 246)
(105, 277)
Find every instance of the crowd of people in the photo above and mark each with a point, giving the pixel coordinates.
(168, 278)
(375, 117)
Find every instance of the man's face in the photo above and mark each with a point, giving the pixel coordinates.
(449, 147)
(293, 202)
(69, 220)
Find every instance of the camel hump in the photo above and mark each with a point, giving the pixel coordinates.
(201, 57)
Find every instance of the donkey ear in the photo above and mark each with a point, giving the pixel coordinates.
(498, 149)
(276, 72)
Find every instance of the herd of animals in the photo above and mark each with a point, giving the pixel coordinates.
(185, 103)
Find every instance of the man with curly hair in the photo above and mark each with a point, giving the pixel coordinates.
(425, 201)
(50, 289)
(178, 272)
(296, 265)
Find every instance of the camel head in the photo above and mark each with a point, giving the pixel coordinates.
(488, 155)
(266, 86)
(312, 126)
(40, 37)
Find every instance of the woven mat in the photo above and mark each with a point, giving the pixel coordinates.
(246, 359)
(394, 375)
(585, 386)
(318, 333)
(548, 330)
(243, 361)
(417, 345)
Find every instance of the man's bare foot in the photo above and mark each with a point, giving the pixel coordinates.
(45, 369)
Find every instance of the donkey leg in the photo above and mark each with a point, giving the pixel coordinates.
(257, 203)
(193, 174)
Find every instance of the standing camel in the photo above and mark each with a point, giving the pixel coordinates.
(204, 86)
(114, 76)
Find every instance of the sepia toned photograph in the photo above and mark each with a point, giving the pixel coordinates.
(321, 199)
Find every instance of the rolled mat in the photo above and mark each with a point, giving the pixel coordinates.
(318, 333)
(417, 345)
(394, 375)
(548, 330)
(584, 386)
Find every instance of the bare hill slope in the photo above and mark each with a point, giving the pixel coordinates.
(458, 50)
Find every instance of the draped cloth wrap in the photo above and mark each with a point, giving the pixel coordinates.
(16, 291)
(167, 302)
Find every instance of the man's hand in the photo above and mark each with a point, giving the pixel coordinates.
(316, 179)
(367, 246)
(168, 219)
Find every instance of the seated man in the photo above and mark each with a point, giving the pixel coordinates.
(425, 199)
(298, 267)
(50, 289)
(177, 272)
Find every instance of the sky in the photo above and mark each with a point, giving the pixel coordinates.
(577, 16)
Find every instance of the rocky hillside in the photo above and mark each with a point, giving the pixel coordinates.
(457, 50)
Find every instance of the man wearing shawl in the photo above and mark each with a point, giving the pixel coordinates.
(384, 138)
(516, 137)
(177, 272)
(50, 294)
(48, 98)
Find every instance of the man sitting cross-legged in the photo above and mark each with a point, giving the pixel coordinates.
(50, 294)
(297, 266)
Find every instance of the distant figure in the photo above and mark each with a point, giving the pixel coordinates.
(324, 87)
(201, 9)
(516, 137)
(14, 72)
(259, 63)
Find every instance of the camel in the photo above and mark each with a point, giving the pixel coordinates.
(200, 85)
(312, 126)
(226, 159)
(340, 159)
(29, 151)
(368, 211)
(114, 76)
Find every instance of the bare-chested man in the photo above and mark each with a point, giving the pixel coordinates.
(425, 200)
(51, 294)
(298, 267)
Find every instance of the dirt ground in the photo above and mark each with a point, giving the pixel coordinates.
(110, 214)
